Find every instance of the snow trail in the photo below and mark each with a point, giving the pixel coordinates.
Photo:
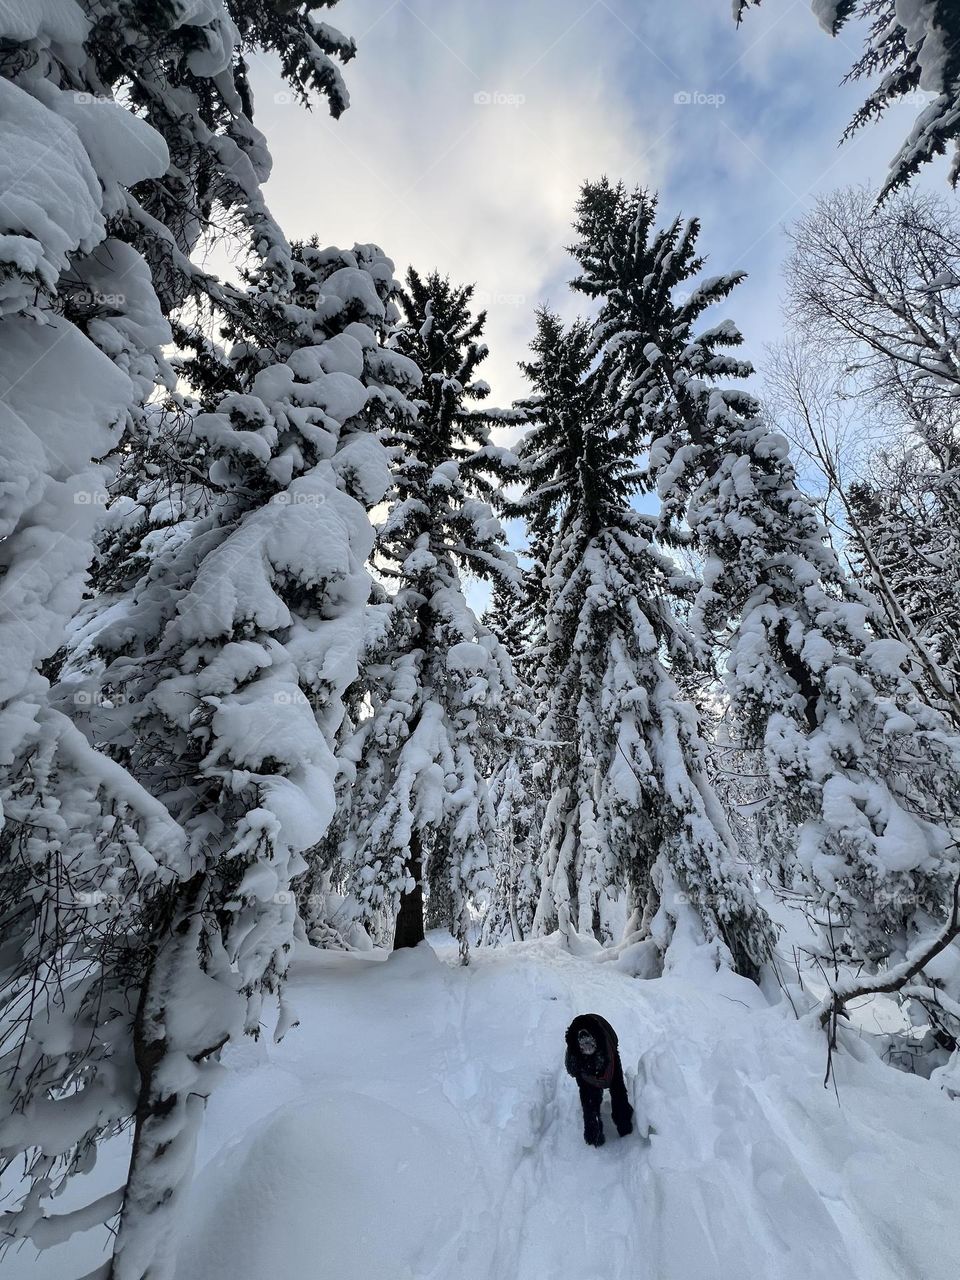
(751, 1166)
(419, 1125)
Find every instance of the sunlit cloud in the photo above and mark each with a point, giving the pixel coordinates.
(473, 126)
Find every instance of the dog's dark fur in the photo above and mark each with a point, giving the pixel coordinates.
(602, 1070)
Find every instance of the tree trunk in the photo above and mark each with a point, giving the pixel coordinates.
(171, 1098)
(512, 908)
(409, 927)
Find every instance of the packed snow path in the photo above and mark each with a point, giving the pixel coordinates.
(419, 1126)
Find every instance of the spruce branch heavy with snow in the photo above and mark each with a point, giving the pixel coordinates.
(184, 70)
(913, 46)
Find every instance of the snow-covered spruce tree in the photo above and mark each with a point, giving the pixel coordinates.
(421, 822)
(83, 849)
(227, 665)
(516, 785)
(183, 69)
(629, 804)
(87, 857)
(507, 618)
(861, 767)
(912, 45)
(518, 813)
(859, 758)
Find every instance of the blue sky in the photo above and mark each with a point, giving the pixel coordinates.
(473, 123)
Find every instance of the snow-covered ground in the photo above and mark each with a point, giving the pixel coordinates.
(418, 1125)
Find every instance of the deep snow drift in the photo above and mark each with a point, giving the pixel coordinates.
(419, 1126)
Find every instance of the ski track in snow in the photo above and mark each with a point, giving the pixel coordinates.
(419, 1125)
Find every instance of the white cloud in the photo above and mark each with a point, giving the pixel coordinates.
(482, 189)
(485, 191)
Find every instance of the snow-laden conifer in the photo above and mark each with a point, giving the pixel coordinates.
(629, 807)
(82, 846)
(420, 809)
(862, 768)
(516, 783)
(228, 662)
(96, 885)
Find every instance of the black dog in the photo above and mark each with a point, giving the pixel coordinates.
(593, 1060)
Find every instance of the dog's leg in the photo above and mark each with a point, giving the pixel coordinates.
(620, 1103)
(590, 1099)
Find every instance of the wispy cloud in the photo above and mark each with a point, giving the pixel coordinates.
(465, 147)
(472, 127)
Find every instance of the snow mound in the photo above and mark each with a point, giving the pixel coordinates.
(314, 1146)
